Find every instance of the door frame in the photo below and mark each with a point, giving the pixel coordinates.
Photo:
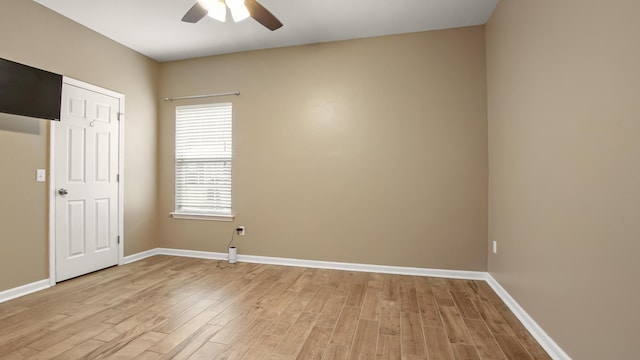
(52, 171)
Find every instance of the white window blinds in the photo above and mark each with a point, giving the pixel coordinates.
(203, 159)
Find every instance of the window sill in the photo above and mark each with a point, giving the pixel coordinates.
(209, 217)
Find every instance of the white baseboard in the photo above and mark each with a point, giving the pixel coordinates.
(174, 252)
(19, 291)
(193, 254)
(536, 331)
(383, 269)
(139, 256)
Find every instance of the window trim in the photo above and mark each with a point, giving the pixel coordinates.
(201, 216)
(195, 215)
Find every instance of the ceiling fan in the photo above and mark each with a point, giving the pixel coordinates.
(240, 10)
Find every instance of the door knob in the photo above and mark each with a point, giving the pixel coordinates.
(63, 192)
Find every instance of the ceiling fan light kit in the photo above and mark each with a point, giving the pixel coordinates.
(216, 9)
(240, 10)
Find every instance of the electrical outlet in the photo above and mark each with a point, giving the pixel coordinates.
(240, 230)
(495, 247)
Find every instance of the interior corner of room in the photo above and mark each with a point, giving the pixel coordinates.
(507, 151)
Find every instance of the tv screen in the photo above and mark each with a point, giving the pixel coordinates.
(27, 91)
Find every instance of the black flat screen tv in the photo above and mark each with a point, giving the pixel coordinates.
(27, 91)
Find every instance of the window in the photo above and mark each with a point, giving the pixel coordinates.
(203, 161)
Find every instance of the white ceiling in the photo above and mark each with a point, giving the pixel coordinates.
(154, 28)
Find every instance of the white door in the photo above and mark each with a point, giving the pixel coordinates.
(86, 184)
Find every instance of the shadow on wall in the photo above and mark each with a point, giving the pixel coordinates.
(20, 124)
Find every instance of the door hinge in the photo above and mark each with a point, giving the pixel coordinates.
(117, 177)
(120, 115)
(118, 239)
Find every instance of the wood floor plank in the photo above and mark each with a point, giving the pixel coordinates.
(21, 336)
(177, 336)
(190, 345)
(295, 337)
(466, 352)
(81, 350)
(61, 346)
(456, 285)
(315, 344)
(526, 339)
(301, 281)
(391, 288)
(438, 347)
(365, 341)
(319, 300)
(336, 352)
(376, 281)
(423, 286)
(331, 311)
(133, 325)
(334, 279)
(177, 308)
(11, 311)
(411, 336)
(262, 348)
(356, 295)
(208, 351)
(473, 290)
(371, 305)
(493, 319)
(20, 354)
(282, 324)
(388, 348)
(488, 294)
(346, 327)
(136, 347)
(408, 296)
(149, 355)
(483, 339)
(279, 305)
(465, 305)
(241, 323)
(512, 347)
(390, 318)
(343, 286)
(442, 295)
(429, 312)
(77, 328)
(173, 322)
(243, 340)
(454, 325)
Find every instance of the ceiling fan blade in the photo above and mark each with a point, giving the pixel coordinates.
(194, 14)
(262, 15)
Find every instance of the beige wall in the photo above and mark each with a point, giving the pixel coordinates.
(35, 36)
(564, 150)
(368, 151)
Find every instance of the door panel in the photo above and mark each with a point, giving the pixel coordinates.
(77, 223)
(103, 163)
(76, 154)
(86, 160)
(102, 224)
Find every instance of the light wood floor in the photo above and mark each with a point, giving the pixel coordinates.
(177, 308)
